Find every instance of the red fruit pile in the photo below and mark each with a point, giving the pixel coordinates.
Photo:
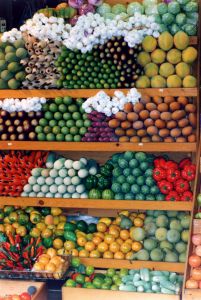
(16, 168)
(173, 179)
(194, 282)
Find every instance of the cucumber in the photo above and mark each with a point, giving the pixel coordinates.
(158, 278)
(127, 288)
(166, 291)
(155, 288)
(167, 284)
(145, 274)
(140, 289)
(139, 283)
(136, 277)
(127, 278)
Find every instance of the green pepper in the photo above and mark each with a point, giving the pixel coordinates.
(3, 237)
(26, 239)
(66, 13)
(70, 236)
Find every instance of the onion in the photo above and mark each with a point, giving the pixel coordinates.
(73, 20)
(95, 2)
(196, 274)
(198, 250)
(86, 8)
(75, 3)
(191, 284)
(196, 239)
(194, 261)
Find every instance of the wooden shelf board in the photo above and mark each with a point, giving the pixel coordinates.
(99, 146)
(97, 204)
(193, 292)
(118, 264)
(85, 93)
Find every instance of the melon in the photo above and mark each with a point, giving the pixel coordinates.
(150, 228)
(150, 244)
(166, 245)
(138, 234)
(156, 255)
(175, 224)
(185, 222)
(171, 257)
(142, 255)
(173, 236)
(165, 41)
(161, 234)
(162, 221)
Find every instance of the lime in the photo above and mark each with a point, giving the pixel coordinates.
(62, 108)
(45, 107)
(56, 129)
(61, 123)
(68, 138)
(57, 115)
(70, 123)
(65, 130)
(50, 137)
(58, 100)
(76, 115)
(85, 117)
(53, 107)
(52, 123)
(43, 122)
(49, 115)
(79, 123)
(83, 130)
(41, 137)
(75, 262)
(39, 129)
(67, 100)
(66, 116)
(77, 138)
(74, 130)
(72, 108)
(89, 270)
(60, 137)
(87, 123)
(111, 272)
(47, 129)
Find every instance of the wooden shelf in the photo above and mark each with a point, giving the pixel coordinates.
(85, 93)
(134, 264)
(97, 204)
(99, 146)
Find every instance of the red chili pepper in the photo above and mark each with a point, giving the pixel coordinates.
(74, 276)
(187, 196)
(172, 196)
(184, 162)
(170, 164)
(159, 174)
(188, 172)
(181, 186)
(173, 175)
(165, 186)
(159, 162)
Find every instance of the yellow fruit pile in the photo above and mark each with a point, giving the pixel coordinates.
(167, 61)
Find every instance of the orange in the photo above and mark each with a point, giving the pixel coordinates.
(119, 255)
(138, 222)
(69, 245)
(2, 229)
(141, 216)
(101, 227)
(119, 241)
(81, 241)
(44, 260)
(102, 247)
(95, 254)
(125, 247)
(89, 246)
(136, 246)
(50, 267)
(83, 253)
(38, 266)
(108, 254)
(109, 239)
(118, 220)
(114, 232)
(100, 234)
(58, 243)
(51, 252)
(124, 234)
(114, 226)
(96, 240)
(114, 247)
(74, 252)
(129, 255)
(129, 241)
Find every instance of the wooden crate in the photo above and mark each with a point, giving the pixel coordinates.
(18, 287)
(197, 226)
(86, 294)
(192, 294)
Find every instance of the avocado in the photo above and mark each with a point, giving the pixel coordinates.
(18, 44)
(9, 49)
(3, 65)
(6, 75)
(21, 53)
(14, 67)
(3, 84)
(13, 84)
(10, 57)
(20, 75)
(2, 56)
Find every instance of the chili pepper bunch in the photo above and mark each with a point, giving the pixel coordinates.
(16, 169)
(173, 179)
(16, 256)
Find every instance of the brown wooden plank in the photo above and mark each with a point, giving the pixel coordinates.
(99, 146)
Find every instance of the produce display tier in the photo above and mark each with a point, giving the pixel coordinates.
(98, 146)
(188, 92)
(97, 204)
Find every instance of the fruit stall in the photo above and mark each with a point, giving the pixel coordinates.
(100, 154)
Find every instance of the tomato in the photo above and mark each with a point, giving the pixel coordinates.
(25, 296)
(194, 261)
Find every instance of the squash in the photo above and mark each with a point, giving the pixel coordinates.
(61, 5)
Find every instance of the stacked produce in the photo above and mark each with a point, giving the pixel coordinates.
(198, 214)
(64, 120)
(143, 280)
(23, 296)
(185, 13)
(194, 282)
(156, 119)
(15, 170)
(174, 179)
(167, 61)
(12, 72)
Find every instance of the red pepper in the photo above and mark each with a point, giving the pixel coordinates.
(165, 186)
(181, 186)
(159, 162)
(170, 164)
(184, 162)
(188, 172)
(173, 175)
(172, 196)
(187, 196)
(159, 174)
(74, 276)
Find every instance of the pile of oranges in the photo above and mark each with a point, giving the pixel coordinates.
(110, 240)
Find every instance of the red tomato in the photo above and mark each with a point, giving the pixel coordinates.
(25, 296)
(194, 261)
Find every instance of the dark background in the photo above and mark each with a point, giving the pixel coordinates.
(17, 11)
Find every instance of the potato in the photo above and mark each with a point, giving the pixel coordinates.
(178, 114)
(151, 106)
(160, 124)
(126, 124)
(166, 116)
(169, 99)
(119, 132)
(157, 100)
(182, 100)
(168, 139)
(145, 139)
(181, 139)
(175, 132)
(156, 138)
(120, 115)
(162, 107)
(141, 132)
(114, 123)
(145, 99)
(138, 125)
(144, 114)
(137, 107)
(155, 114)
(175, 106)
(130, 132)
(192, 119)
(124, 139)
(148, 122)
(132, 117)
(164, 132)
(135, 139)
(152, 130)
(171, 124)
(191, 108)
(192, 138)
(187, 130)
(128, 107)
(183, 122)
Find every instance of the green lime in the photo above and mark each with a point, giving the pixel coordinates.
(76, 115)
(65, 130)
(52, 123)
(79, 123)
(61, 123)
(75, 262)
(56, 129)
(70, 283)
(68, 138)
(74, 130)
(77, 138)
(47, 129)
(85, 116)
(60, 137)
(66, 116)
(72, 108)
(80, 278)
(41, 137)
(62, 108)
(43, 122)
(70, 123)
(49, 115)
(87, 123)
(39, 129)
(45, 107)
(83, 130)
(57, 115)
(67, 100)
(50, 137)
(53, 107)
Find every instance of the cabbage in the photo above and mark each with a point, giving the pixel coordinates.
(190, 29)
(174, 28)
(173, 8)
(95, 2)
(75, 3)
(103, 9)
(118, 8)
(151, 10)
(135, 7)
(158, 19)
(181, 19)
(191, 7)
(86, 8)
(163, 28)
(183, 2)
(192, 18)
(162, 8)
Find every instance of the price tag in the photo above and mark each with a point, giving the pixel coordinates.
(161, 90)
(10, 144)
(140, 144)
